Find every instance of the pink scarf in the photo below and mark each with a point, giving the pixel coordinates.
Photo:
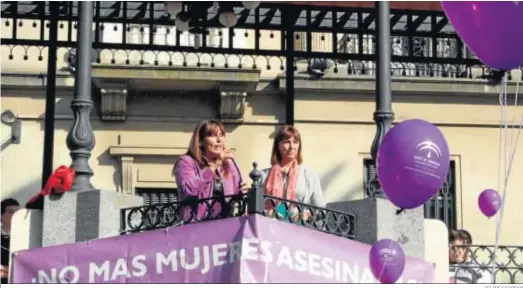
(274, 182)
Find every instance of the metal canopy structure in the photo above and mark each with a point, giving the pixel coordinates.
(422, 43)
(346, 25)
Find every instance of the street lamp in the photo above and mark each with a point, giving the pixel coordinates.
(228, 19)
(173, 7)
(191, 15)
(9, 118)
(250, 5)
(182, 22)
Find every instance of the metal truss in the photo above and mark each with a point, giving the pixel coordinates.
(422, 33)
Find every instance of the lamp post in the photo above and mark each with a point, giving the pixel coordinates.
(383, 115)
(80, 139)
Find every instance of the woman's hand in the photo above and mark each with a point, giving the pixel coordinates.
(226, 154)
(244, 188)
(296, 217)
(306, 215)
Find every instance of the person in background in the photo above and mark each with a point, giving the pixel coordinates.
(9, 208)
(288, 178)
(208, 170)
(462, 269)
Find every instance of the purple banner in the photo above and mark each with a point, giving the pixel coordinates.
(250, 249)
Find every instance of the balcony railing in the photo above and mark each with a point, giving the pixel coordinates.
(478, 267)
(156, 216)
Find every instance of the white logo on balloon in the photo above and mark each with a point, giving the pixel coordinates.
(430, 147)
(387, 255)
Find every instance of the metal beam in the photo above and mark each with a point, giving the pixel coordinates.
(267, 18)
(383, 116)
(50, 94)
(80, 139)
(289, 18)
(320, 16)
(416, 23)
(395, 19)
(367, 21)
(342, 20)
(440, 25)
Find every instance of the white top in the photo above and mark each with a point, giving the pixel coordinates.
(468, 273)
(308, 188)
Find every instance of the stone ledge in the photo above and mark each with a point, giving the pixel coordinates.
(213, 77)
(121, 151)
(35, 80)
(427, 85)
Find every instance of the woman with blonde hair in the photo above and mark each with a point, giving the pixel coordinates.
(288, 178)
(208, 170)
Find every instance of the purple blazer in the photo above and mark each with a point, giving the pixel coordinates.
(192, 180)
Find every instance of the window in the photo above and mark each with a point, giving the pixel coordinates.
(442, 206)
(153, 196)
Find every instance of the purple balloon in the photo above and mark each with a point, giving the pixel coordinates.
(493, 30)
(489, 202)
(387, 261)
(413, 163)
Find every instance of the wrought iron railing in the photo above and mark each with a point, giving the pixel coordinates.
(478, 266)
(156, 216)
(317, 218)
(194, 210)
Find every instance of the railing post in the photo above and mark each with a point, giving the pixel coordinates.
(255, 202)
(383, 116)
(123, 221)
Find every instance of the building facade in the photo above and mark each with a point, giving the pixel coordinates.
(148, 103)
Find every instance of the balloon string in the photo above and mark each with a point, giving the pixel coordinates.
(398, 212)
(501, 148)
(501, 111)
(502, 208)
(507, 130)
(510, 153)
(514, 117)
(384, 264)
(404, 226)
